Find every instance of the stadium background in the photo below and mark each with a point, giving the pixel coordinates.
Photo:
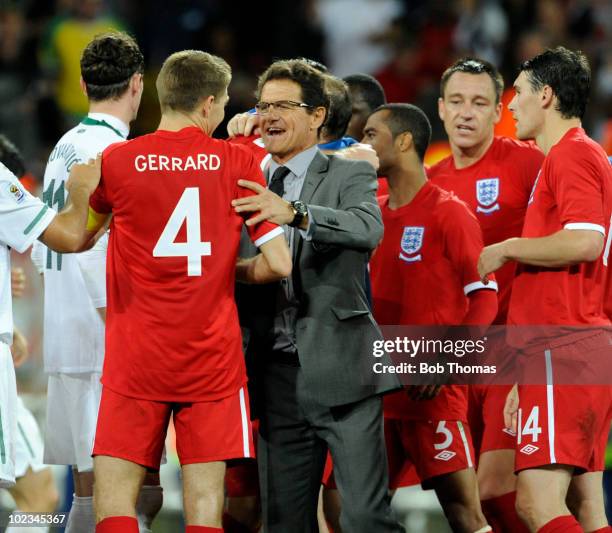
(405, 44)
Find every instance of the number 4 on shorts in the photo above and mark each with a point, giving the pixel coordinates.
(531, 426)
(187, 209)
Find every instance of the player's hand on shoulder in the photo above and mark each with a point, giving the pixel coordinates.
(360, 152)
(269, 205)
(18, 281)
(85, 176)
(243, 124)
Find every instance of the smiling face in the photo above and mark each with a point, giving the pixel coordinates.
(468, 110)
(526, 108)
(288, 132)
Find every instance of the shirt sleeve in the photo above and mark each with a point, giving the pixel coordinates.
(578, 191)
(23, 217)
(266, 230)
(93, 269)
(463, 245)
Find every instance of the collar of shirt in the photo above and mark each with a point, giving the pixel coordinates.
(298, 164)
(112, 121)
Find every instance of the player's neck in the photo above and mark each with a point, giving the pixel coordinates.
(176, 121)
(465, 157)
(117, 109)
(404, 185)
(554, 129)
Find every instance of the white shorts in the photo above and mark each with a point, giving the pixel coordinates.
(8, 420)
(28, 442)
(73, 401)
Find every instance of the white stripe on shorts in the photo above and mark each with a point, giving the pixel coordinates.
(550, 406)
(245, 425)
(465, 444)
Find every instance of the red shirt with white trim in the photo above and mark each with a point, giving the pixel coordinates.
(421, 273)
(574, 191)
(497, 189)
(172, 330)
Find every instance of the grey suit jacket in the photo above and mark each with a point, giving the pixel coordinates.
(335, 328)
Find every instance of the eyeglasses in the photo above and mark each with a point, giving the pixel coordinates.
(264, 108)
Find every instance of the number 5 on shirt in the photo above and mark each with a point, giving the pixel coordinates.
(187, 209)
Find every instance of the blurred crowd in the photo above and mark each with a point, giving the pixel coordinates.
(406, 44)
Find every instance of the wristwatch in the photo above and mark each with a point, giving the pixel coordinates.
(299, 212)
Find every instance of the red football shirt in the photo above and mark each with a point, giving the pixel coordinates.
(574, 191)
(496, 188)
(172, 330)
(255, 145)
(422, 272)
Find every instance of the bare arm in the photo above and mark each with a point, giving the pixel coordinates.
(566, 247)
(273, 263)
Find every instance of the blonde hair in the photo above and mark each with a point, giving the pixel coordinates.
(188, 76)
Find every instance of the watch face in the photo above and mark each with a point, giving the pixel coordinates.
(300, 207)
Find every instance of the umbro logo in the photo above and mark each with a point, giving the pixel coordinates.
(529, 449)
(445, 455)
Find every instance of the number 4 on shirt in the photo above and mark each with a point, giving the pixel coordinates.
(187, 209)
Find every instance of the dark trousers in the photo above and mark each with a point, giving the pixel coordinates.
(295, 433)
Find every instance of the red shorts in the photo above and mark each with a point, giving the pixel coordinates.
(486, 418)
(242, 478)
(135, 429)
(434, 447)
(563, 424)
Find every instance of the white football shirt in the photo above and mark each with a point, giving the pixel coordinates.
(23, 218)
(75, 284)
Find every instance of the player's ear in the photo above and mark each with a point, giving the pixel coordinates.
(547, 96)
(136, 83)
(405, 141)
(441, 108)
(499, 107)
(83, 86)
(206, 105)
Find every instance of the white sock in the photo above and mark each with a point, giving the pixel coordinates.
(21, 529)
(149, 503)
(81, 518)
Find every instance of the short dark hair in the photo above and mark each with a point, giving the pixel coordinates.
(404, 118)
(369, 88)
(567, 73)
(340, 108)
(11, 157)
(310, 80)
(472, 65)
(108, 63)
(188, 76)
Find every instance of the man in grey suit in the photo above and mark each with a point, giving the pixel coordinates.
(313, 332)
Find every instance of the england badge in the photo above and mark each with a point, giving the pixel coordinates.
(487, 194)
(412, 242)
